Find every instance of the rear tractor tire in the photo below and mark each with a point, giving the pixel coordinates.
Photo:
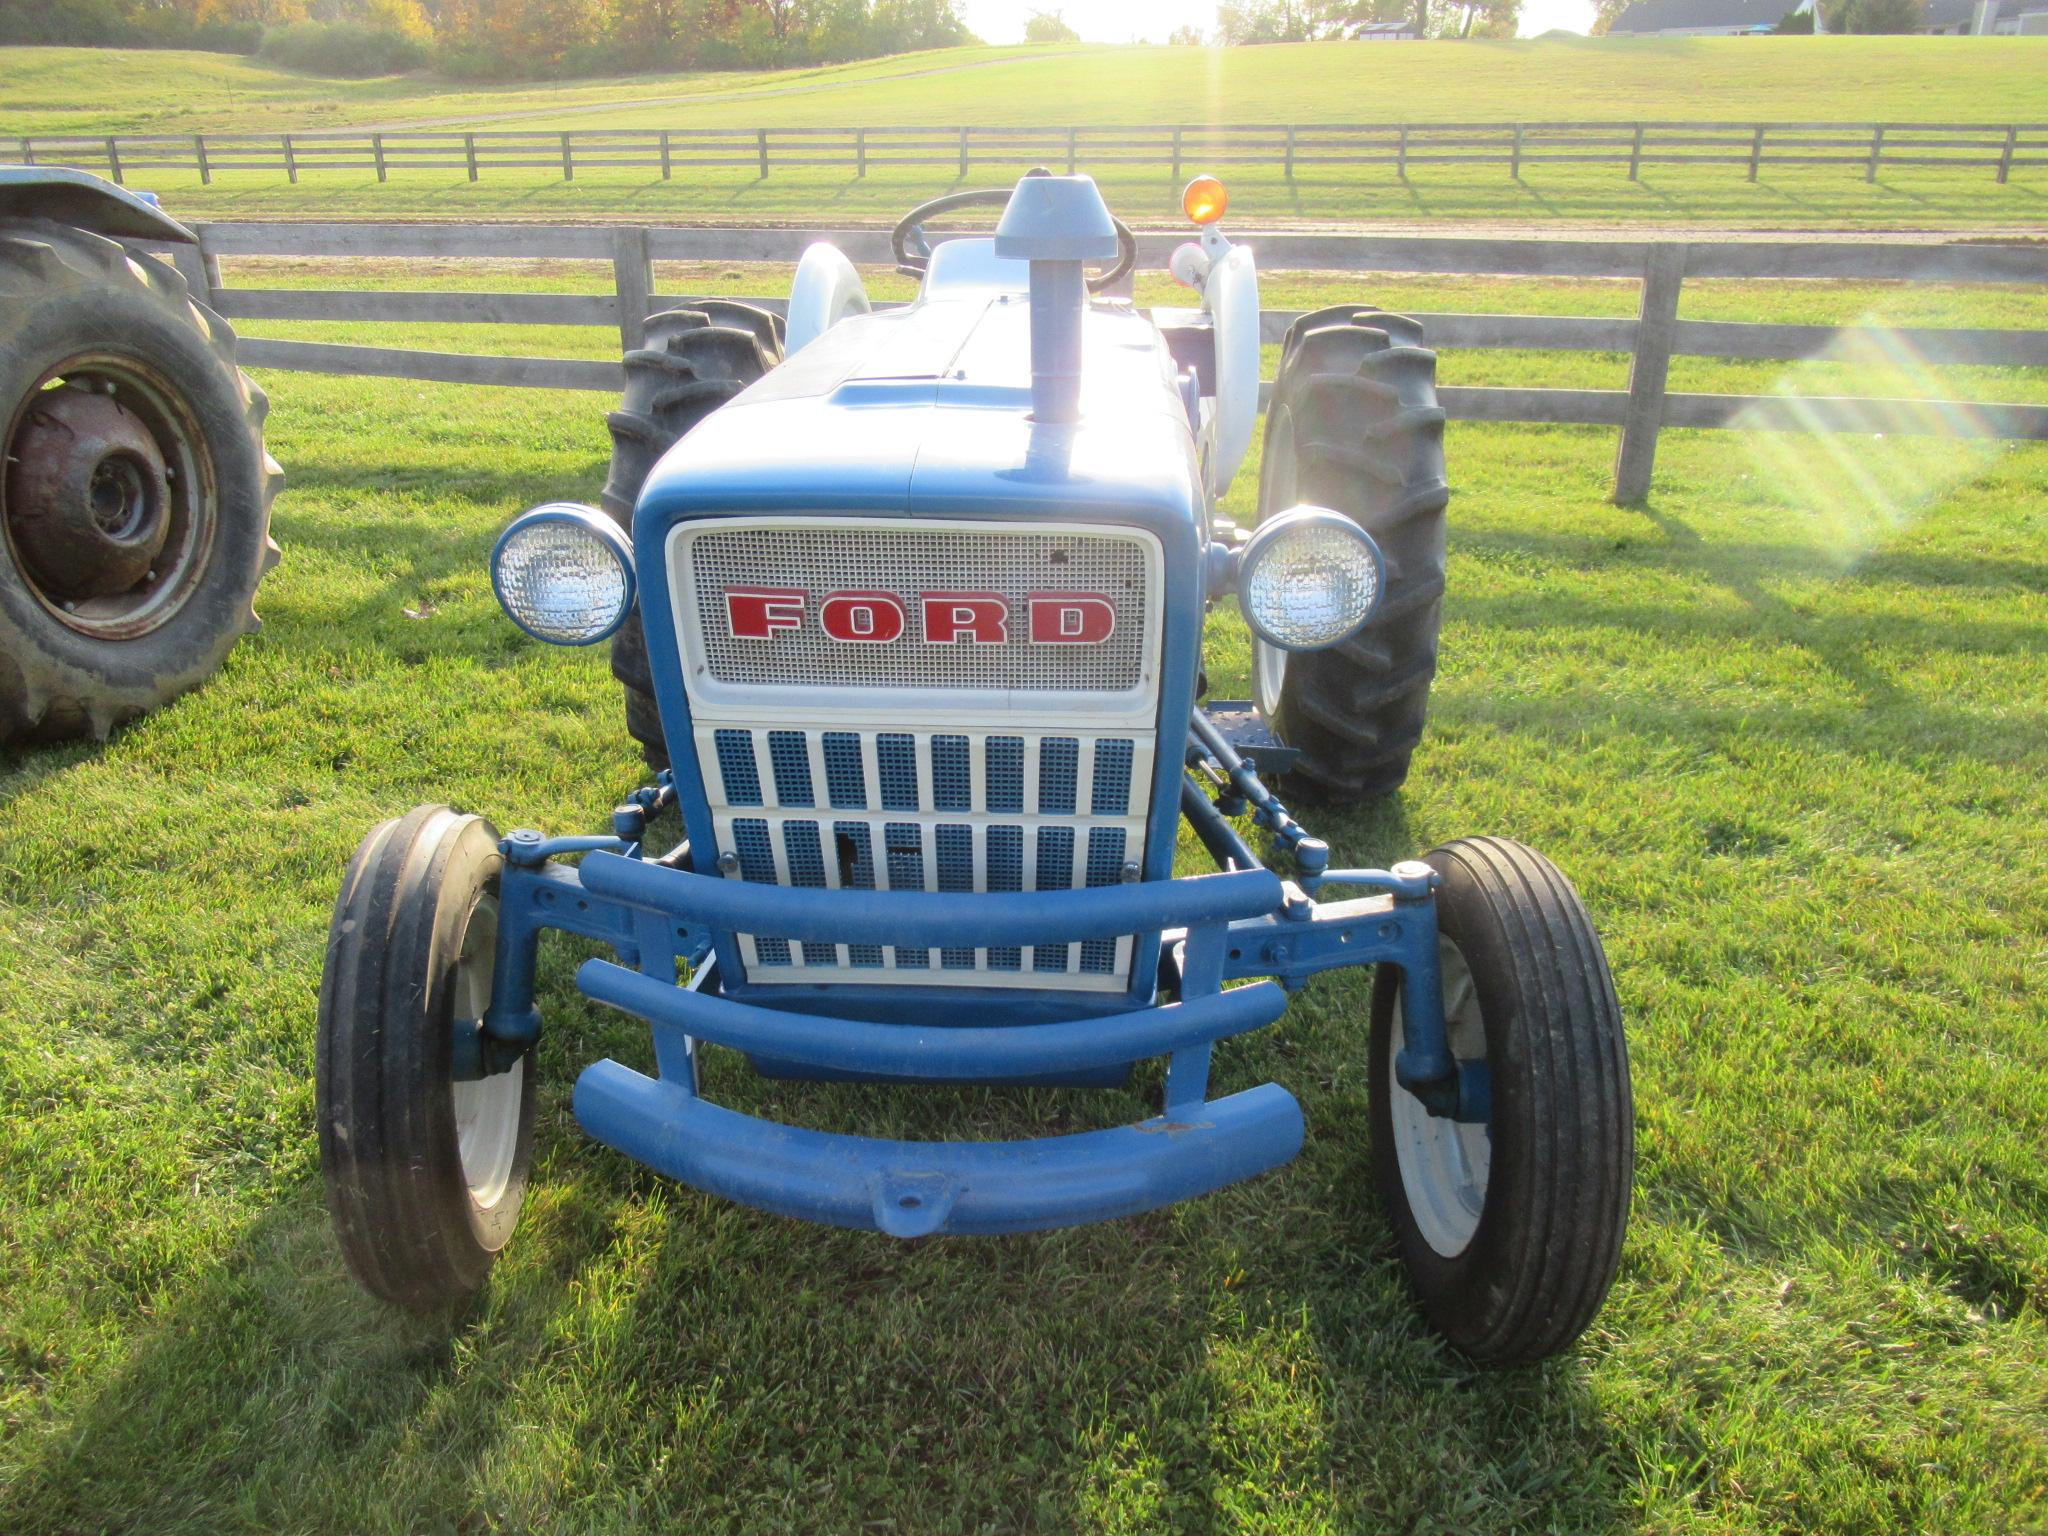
(1354, 426)
(134, 489)
(693, 361)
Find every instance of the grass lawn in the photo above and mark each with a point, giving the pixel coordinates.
(1768, 725)
(1826, 79)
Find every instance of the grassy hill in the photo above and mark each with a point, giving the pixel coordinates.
(79, 90)
(1839, 79)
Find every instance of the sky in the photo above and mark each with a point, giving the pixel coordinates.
(1123, 21)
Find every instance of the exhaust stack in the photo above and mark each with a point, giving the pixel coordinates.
(1058, 224)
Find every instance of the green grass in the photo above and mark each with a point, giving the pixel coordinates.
(1798, 79)
(1784, 729)
(1853, 79)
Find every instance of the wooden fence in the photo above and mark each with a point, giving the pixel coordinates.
(1650, 340)
(1996, 148)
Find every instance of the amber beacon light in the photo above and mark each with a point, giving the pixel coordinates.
(1205, 200)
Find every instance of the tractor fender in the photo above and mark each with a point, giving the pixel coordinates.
(1231, 295)
(86, 202)
(826, 290)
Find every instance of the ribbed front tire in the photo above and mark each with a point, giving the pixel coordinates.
(1511, 1232)
(425, 1174)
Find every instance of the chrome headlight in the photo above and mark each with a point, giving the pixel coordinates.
(1308, 579)
(564, 573)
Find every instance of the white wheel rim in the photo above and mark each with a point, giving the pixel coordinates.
(1276, 494)
(1444, 1163)
(1269, 672)
(487, 1109)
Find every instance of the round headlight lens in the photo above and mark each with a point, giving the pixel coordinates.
(564, 574)
(1308, 579)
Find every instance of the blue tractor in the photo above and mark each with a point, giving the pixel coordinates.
(909, 608)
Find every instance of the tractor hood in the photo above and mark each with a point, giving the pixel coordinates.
(926, 411)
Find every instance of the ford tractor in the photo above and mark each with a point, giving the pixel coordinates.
(909, 606)
(134, 488)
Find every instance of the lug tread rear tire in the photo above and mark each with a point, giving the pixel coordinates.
(1359, 395)
(53, 684)
(693, 360)
(1549, 1239)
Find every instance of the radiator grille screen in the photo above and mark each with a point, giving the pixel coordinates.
(942, 810)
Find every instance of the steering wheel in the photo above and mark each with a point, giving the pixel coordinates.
(914, 253)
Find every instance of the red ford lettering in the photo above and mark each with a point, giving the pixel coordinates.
(857, 616)
(862, 618)
(1071, 618)
(982, 617)
(755, 613)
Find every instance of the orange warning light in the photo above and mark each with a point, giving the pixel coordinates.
(1205, 200)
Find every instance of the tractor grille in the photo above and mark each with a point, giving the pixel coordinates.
(914, 766)
(930, 811)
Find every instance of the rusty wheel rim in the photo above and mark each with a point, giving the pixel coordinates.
(121, 499)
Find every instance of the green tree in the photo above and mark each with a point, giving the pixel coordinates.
(1185, 37)
(1049, 27)
(1873, 16)
(1606, 13)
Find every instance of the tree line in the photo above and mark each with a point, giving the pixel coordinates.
(501, 38)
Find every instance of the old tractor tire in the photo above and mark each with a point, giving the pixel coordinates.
(1354, 425)
(135, 492)
(1510, 1230)
(693, 361)
(425, 1171)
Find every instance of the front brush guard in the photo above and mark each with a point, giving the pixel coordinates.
(1227, 926)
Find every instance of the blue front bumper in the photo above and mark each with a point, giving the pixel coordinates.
(1225, 926)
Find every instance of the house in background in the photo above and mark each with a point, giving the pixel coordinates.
(1384, 32)
(1984, 18)
(1704, 18)
(1737, 18)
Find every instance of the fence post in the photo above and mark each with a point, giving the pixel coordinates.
(469, 153)
(2005, 155)
(1756, 150)
(28, 154)
(1401, 155)
(963, 151)
(1176, 154)
(1649, 370)
(1635, 154)
(1072, 133)
(199, 154)
(761, 146)
(1287, 168)
(291, 161)
(377, 151)
(633, 279)
(568, 160)
(114, 161)
(1515, 162)
(860, 152)
(1876, 149)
